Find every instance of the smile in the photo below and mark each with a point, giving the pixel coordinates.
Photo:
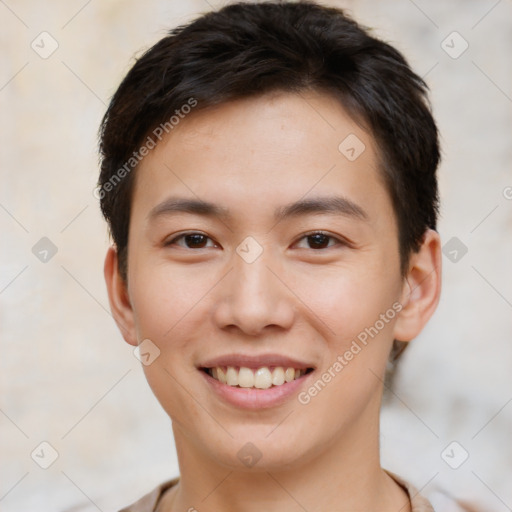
(260, 378)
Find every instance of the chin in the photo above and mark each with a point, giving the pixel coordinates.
(261, 452)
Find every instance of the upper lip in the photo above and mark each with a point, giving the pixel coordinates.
(255, 361)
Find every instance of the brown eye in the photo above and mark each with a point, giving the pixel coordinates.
(191, 240)
(320, 240)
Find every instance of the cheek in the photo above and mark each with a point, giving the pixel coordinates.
(167, 308)
(164, 301)
(349, 303)
(170, 306)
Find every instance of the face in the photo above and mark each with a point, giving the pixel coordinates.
(288, 267)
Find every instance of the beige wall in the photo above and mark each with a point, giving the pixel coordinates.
(66, 375)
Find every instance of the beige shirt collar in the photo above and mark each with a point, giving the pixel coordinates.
(149, 502)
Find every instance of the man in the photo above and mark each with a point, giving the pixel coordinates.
(269, 178)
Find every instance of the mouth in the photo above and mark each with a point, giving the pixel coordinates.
(256, 381)
(263, 377)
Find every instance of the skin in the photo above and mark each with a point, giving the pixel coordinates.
(195, 303)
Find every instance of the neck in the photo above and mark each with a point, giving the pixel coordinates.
(343, 475)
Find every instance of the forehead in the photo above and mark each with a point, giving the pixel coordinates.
(265, 150)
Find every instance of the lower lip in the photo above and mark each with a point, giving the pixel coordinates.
(253, 398)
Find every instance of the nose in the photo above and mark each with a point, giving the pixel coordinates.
(254, 297)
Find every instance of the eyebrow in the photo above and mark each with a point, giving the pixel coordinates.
(336, 205)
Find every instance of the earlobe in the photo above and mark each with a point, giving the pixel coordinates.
(120, 304)
(421, 289)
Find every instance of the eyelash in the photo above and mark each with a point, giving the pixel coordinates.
(341, 242)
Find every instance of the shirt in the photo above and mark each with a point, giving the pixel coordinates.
(149, 502)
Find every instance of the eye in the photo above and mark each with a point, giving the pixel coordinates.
(320, 240)
(193, 240)
(197, 240)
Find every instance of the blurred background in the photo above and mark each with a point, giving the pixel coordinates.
(79, 426)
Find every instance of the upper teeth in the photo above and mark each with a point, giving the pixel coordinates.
(262, 378)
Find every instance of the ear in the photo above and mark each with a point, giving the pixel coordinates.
(421, 288)
(118, 297)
